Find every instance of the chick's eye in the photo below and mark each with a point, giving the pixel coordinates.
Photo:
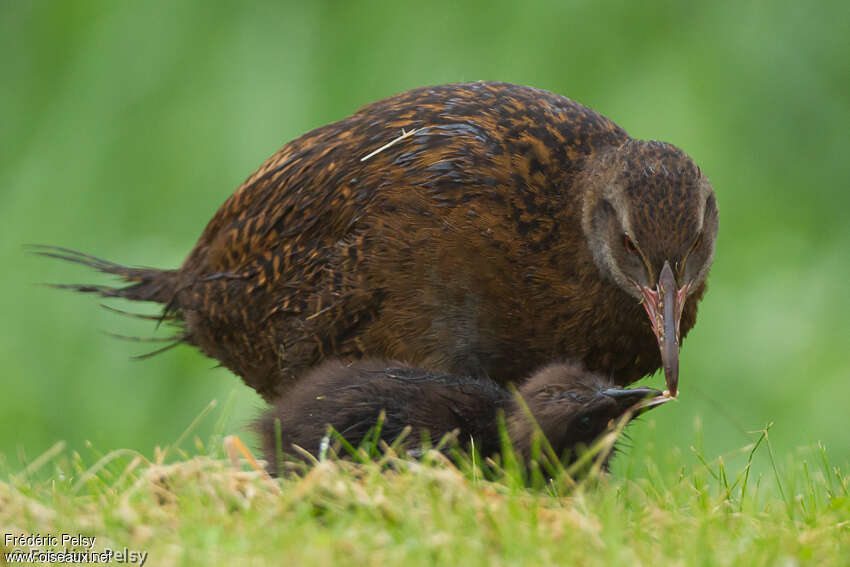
(584, 424)
(630, 245)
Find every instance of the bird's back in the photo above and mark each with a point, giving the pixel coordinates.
(425, 227)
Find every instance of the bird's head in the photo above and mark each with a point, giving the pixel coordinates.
(574, 407)
(650, 219)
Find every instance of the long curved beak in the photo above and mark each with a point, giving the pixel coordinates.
(664, 306)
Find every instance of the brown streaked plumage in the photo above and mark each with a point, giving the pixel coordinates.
(505, 227)
(571, 406)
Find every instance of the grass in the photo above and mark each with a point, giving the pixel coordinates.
(200, 507)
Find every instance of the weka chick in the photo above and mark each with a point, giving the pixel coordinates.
(572, 407)
(479, 229)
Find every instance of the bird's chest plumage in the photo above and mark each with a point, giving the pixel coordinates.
(479, 299)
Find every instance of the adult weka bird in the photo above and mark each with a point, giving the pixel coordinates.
(480, 229)
(568, 405)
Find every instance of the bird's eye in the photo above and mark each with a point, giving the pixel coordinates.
(630, 245)
(584, 424)
(698, 243)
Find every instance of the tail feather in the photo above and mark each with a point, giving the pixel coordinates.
(169, 346)
(170, 339)
(157, 318)
(147, 284)
(173, 341)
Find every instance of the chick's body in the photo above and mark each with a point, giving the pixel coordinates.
(562, 402)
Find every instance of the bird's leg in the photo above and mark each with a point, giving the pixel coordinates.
(234, 446)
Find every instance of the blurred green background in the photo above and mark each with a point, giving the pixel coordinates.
(126, 124)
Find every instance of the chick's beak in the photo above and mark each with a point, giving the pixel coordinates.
(638, 400)
(664, 306)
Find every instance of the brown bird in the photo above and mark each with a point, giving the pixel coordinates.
(478, 229)
(571, 406)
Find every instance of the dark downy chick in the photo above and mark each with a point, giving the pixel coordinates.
(573, 408)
